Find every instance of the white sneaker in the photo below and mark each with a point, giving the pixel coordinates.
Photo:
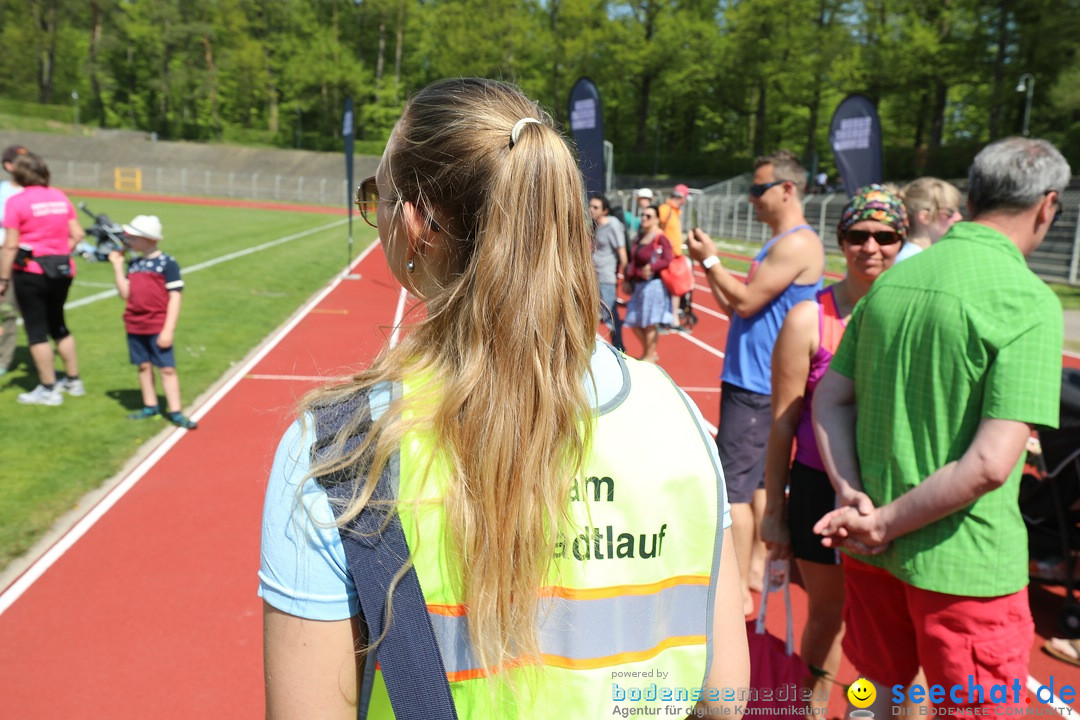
(71, 387)
(41, 395)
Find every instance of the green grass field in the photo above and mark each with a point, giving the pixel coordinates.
(52, 456)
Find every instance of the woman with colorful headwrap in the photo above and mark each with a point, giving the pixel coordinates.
(870, 232)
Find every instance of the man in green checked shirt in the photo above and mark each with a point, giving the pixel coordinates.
(950, 361)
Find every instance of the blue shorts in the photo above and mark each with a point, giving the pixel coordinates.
(143, 348)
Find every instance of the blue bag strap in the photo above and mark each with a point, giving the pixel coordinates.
(408, 655)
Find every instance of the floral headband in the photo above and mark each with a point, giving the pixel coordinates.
(874, 202)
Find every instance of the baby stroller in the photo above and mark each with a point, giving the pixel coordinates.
(687, 317)
(1050, 498)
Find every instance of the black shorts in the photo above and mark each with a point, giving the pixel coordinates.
(41, 302)
(745, 419)
(810, 497)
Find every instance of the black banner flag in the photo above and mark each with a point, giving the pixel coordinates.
(349, 133)
(855, 136)
(587, 125)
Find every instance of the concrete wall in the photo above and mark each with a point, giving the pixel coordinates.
(193, 168)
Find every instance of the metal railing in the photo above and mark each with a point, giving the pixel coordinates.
(208, 183)
(723, 210)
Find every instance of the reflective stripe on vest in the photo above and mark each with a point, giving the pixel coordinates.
(630, 598)
(619, 634)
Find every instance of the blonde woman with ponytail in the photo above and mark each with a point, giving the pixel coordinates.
(933, 206)
(558, 557)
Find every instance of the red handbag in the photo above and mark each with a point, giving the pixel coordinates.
(778, 675)
(678, 276)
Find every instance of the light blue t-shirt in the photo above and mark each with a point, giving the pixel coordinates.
(304, 571)
(7, 189)
(907, 251)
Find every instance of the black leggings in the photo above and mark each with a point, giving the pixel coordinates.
(41, 301)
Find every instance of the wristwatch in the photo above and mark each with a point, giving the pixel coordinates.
(708, 262)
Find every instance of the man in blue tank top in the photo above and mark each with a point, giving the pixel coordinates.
(787, 270)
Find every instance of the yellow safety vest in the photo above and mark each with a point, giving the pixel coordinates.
(627, 613)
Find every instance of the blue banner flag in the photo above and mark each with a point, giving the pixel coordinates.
(855, 136)
(587, 126)
(349, 133)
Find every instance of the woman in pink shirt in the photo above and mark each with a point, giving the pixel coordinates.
(40, 231)
(870, 233)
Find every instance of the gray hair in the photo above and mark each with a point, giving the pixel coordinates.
(1014, 174)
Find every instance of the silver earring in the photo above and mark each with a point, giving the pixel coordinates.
(410, 266)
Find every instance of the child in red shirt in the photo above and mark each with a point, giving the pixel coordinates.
(152, 288)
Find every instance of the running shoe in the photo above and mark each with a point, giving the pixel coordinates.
(146, 412)
(71, 387)
(41, 395)
(179, 420)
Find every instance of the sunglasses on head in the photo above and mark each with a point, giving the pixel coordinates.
(367, 200)
(761, 188)
(883, 237)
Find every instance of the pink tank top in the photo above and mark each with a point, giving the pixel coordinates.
(830, 329)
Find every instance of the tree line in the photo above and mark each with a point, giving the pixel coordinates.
(691, 88)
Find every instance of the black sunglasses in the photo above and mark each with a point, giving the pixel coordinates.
(883, 237)
(760, 189)
(367, 200)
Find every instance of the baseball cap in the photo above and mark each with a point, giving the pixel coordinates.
(645, 193)
(146, 226)
(13, 151)
(681, 190)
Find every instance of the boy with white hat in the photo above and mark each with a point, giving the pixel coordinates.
(152, 288)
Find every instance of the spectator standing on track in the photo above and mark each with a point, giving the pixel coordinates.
(40, 229)
(933, 206)
(872, 227)
(9, 311)
(485, 465)
(152, 288)
(671, 226)
(643, 198)
(787, 270)
(609, 259)
(649, 305)
(922, 421)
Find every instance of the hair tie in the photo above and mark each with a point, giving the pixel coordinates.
(516, 132)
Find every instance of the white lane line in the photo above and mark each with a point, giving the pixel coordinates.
(700, 389)
(1057, 703)
(54, 553)
(703, 345)
(399, 314)
(298, 378)
(216, 261)
(710, 311)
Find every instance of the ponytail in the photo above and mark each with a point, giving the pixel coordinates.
(508, 338)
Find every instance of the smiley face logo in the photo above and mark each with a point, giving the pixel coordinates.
(861, 693)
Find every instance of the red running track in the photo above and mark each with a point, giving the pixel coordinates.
(147, 607)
